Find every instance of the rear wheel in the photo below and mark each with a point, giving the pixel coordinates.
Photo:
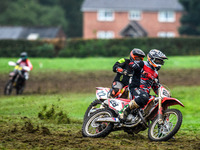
(8, 88)
(95, 105)
(163, 132)
(94, 129)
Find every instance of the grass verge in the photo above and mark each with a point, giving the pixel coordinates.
(94, 64)
(74, 105)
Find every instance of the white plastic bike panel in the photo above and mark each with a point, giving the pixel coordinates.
(102, 93)
(116, 104)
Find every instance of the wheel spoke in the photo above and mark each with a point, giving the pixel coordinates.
(97, 127)
(161, 131)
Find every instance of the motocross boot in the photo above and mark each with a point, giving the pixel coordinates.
(126, 110)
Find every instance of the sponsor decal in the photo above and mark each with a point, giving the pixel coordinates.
(102, 93)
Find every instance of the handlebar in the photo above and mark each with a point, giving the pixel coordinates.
(11, 63)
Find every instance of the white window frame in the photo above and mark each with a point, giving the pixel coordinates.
(105, 35)
(166, 34)
(135, 15)
(105, 15)
(166, 16)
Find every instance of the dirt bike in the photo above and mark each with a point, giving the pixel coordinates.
(16, 79)
(103, 93)
(163, 122)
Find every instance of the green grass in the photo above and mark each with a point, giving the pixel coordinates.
(94, 64)
(30, 105)
(76, 104)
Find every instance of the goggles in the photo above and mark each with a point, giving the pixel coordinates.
(159, 61)
(138, 57)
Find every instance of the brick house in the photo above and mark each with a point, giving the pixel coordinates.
(131, 18)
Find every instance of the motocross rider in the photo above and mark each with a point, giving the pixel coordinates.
(140, 92)
(122, 68)
(24, 61)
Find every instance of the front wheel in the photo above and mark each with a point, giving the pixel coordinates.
(163, 132)
(8, 88)
(94, 129)
(20, 86)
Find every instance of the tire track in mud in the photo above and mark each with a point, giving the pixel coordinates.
(57, 82)
(30, 136)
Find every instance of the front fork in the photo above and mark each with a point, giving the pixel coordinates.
(160, 111)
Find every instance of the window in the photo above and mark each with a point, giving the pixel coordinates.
(105, 34)
(33, 36)
(135, 15)
(166, 34)
(166, 16)
(105, 15)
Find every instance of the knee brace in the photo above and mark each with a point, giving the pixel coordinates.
(141, 97)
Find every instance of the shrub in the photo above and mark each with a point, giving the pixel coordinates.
(122, 47)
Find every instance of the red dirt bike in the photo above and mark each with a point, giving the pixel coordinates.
(103, 93)
(16, 79)
(163, 123)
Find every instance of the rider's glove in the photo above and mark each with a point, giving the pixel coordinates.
(120, 70)
(136, 65)
(125, 72)
(148, 75)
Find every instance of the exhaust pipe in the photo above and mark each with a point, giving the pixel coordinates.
(108, 119)
(116, 120)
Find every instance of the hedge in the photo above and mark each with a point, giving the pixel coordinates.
(13, 48)
(122, 47)
(102, 48)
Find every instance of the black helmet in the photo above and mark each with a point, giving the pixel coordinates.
(24, 55)
(156, 58)
(136, 52)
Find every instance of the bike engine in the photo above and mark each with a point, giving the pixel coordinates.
(132, 119)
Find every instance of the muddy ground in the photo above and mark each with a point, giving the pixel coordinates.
(86, 82)
(33, 136)
(25, 134)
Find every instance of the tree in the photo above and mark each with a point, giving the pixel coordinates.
(4, 5)
(48, 2)
(64, 13)
(31, 13)
(190, 20)
(74, 16)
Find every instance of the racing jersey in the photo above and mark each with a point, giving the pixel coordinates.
(25, 63)
(124, 64)
(147, 83)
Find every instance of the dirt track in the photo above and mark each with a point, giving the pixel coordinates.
(29, 136)
(26, 135)
(86, 82)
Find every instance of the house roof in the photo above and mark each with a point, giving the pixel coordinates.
(10, 32)
(134, 29)
(44, 32)
(126, 5)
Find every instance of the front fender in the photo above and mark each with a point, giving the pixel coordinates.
(168, 101)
